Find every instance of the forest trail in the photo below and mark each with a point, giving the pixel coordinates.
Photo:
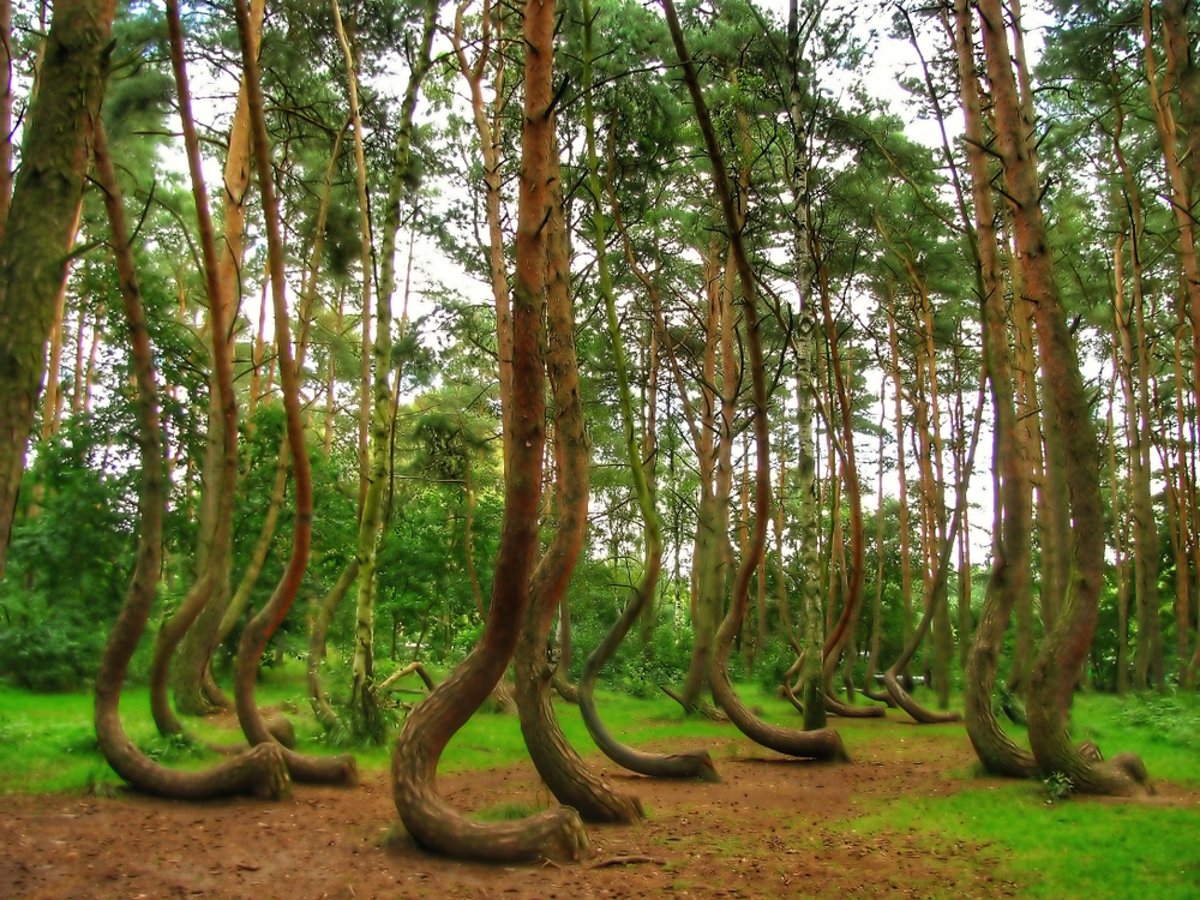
(772, 827)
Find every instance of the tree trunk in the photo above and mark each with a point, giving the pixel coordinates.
(202, 636)
(693, 764)
(259, 630)
(1147, 657)
(906, 589)
(366, 720)
(260, 770)
(1120, 540)
(428, 818)
(824, 743)
(1065, 648)
(571, 781)
(1029, 418)
(33, 253)
(710, 561)
(843, 630)
(220, 456)
(1180, 163)
(1009, 579)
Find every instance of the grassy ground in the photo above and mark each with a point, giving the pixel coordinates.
(1042, 839)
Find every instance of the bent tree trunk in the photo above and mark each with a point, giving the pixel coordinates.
(429, 819)
(571, 781)
(1065, 648)
(260, 770)
(260, 628)
(936, 599)
(217, 522)
(1009, 579)
(692, 764)
(200, 639)
(822, 743)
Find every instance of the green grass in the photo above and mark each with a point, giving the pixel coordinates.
(1163, 729)
(47, 742)
(1077, 848)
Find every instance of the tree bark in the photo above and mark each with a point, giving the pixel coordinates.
(220, 458)
(260, 770)
(823, 744)
(46, 193)
(1065, 648)
(260, 628)
(366, 721)
(1009, 579)
(693, 764)
(571, 781)
(200, 639)
(429, 819)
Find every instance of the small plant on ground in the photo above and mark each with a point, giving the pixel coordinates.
(1058, 786)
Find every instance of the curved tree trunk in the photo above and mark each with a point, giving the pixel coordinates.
(822, 743)
(868, 687)
(571, 781)
(200, 638)
(804, 347)
(219, 497)
(429, 819)
(682, 765)
(260, 770)
(843, 630)
(317, 638)
(712, 436)
(259, 630)
(1009, 579)
(165, 643)
(936, 597)
(1065, 648)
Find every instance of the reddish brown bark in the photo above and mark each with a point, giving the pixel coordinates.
(571, 781)
(1009, 578)
(429, 819)
(260, 770)
(1065, 648)
(259, 630)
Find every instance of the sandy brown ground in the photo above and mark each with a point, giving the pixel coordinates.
(772, 827)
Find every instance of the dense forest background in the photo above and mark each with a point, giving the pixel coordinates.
(853, 385)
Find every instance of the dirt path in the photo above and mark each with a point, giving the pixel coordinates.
(772, 827)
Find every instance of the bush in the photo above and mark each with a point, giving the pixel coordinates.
(48, 655)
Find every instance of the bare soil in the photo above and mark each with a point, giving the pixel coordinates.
(772, 827)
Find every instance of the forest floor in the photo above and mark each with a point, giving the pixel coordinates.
(772, 827)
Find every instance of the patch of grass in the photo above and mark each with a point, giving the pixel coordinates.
(1079, 848)
(1163, 729)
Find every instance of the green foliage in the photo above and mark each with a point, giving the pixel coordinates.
(1170, 718)
(1058, 786)
(507, 812)
(70, 555)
